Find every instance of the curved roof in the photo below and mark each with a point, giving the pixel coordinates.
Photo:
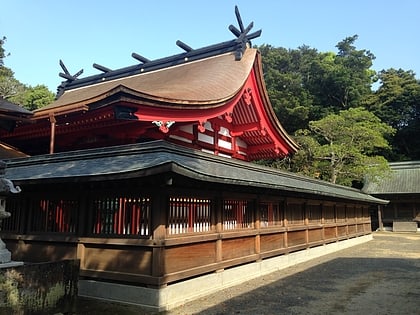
(194, 91)
(159, 157)
(204, 82)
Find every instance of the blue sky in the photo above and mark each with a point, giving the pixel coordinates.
(83, 32)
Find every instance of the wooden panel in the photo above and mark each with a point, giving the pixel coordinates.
(341, 231)
(271, 242)
(234, 248)
(315, 235)
(127, 260)
(329, 233)
(188, 256)
(352, 229)
(42, 252)
(296, 238)
(360, 228)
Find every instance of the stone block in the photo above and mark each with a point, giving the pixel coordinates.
(404, 226)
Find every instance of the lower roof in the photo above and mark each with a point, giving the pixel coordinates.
(404, 179)
(160, 157)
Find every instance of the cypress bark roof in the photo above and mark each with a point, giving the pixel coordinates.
(202, 83)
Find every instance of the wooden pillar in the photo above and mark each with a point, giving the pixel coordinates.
(53, 121)
(336, 220)
(381, 224)
(322, 209)
(218, 209)
(158, 224)
(286, 223)
(257, 217)
(80, 252)
(306, 222)
(216, 129)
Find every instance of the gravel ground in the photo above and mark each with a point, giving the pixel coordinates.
(379, 277)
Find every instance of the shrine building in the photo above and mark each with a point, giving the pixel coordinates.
(402, 189)
(146, 175)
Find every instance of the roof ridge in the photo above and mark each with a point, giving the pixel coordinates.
(238, 45)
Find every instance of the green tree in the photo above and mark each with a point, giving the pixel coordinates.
(397, 103)
(306, 85)
(284, 72)
(2, 51)
(35, 97)
(10, 88)
(341, 81)
(342, 148)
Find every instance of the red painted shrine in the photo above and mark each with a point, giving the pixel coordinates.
(213, 99)
(161, 222)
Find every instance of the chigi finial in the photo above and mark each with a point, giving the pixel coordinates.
(66, 75)
(243, 38)
(238, 45)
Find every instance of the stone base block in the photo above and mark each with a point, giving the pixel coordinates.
(401, 226)
(11, 264)
(5, 256)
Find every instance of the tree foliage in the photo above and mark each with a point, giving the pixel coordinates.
(35, 97)
(306, 85)
(342, 148)
(315, 95)
(284, 74)
(397, 103)
(11, 89)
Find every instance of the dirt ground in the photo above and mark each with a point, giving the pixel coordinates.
(379, 277)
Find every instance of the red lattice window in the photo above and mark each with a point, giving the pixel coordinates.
(270, 214)
(237, 214)
(57, 216)
(187, 215)
(295, 213)
(121, 216)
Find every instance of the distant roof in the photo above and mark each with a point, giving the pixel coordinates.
(10, 113)
(160, 157)
(12, 110)
(9, 152)
(404, 179)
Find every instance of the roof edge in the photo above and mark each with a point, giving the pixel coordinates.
(280, 180)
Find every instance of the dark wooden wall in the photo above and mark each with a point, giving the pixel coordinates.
(162, 256)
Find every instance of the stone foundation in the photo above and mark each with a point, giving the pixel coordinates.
(177, 294)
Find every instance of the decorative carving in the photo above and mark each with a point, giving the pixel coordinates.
(163, 125)
(263, 132)
(247, 96)
(201, 127)
(228, 117)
